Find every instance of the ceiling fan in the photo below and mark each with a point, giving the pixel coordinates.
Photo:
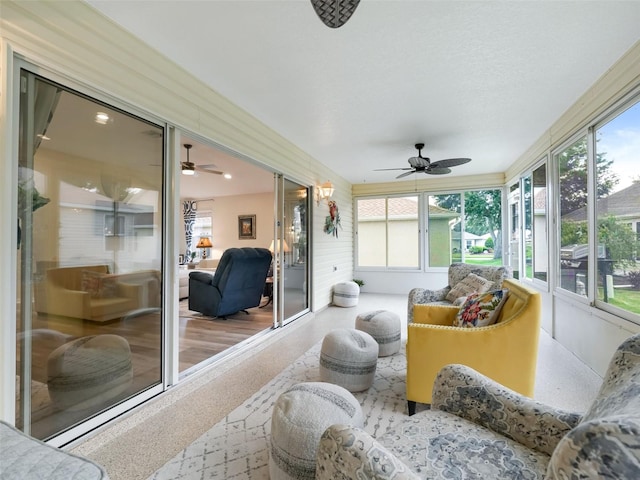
(424, 164)
(189, 168)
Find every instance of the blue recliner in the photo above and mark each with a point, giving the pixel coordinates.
(237, 284)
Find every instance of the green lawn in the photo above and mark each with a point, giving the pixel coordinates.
(483, 259)
(624, 298)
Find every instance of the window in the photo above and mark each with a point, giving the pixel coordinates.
(538, 216)
(617, 150)
(201, 228)
(387, 230)
(460, 227)
(112, 228)
(444, 229)
(529, 244)
(515, 228)
(572, 176)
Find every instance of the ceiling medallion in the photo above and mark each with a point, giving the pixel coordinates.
(334, 13)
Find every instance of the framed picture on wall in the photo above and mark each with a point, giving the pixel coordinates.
(246, 227)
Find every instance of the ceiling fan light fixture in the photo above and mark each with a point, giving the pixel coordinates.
(188, 168)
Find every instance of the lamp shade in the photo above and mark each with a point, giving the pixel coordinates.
(204, 242)
(277, 246)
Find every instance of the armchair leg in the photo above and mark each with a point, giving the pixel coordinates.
(411, 407)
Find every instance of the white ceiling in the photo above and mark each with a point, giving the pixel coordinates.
(479, 79)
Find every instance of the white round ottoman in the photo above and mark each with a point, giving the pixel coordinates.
(300, 417)
(89, 371)
(348, 358)
(346, 294)
(384, 327)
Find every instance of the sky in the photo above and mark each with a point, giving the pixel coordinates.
(620, 139)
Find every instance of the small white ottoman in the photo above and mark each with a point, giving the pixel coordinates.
(89, 371)
(346, 294)
(348, 358)
(300, 417)
(384, 327)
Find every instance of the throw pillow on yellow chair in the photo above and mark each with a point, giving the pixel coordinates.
(506, 351)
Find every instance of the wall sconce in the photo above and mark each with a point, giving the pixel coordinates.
(204, 243)
(324, 191)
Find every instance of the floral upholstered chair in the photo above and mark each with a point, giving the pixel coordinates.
(478, 429)
(457, 273)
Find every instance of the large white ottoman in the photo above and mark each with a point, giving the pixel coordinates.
(346, 294)
(300, 417)
(348, 358)
(89, 371)
(384, 327)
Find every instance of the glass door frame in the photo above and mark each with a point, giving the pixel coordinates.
(15, 65)
(279, 319)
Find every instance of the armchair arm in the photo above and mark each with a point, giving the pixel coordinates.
(203, 277)
(601, 448)
(349, 452)
(129, 290)
(462, 391)
(68, 303)
(421, 295)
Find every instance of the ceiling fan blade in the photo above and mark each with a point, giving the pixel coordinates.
(437, 171)
(203, 168)
(406, 173)
(450, 162)
(419, 162)
(385, 169)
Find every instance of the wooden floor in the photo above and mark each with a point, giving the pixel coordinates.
(201, 338)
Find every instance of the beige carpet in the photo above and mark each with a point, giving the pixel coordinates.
(238, 446)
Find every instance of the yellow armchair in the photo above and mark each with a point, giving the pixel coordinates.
(506, 351)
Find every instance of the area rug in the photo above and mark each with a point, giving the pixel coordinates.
(238, 446)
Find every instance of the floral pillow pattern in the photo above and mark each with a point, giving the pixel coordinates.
(472, 283)
(481, 309)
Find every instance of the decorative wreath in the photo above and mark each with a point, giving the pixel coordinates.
(332, 221)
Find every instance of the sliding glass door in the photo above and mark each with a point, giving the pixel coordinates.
(89, 276)
(291, 256)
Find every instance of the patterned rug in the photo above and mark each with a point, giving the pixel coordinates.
(238, 446)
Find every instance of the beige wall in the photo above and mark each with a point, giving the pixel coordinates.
(225, 211)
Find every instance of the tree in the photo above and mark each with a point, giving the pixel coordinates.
(618, 237)
(483, 213)
(620, 240)
(573, 176)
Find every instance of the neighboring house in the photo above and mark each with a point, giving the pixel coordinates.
(400, 217)
(470, 240)
(622, 204)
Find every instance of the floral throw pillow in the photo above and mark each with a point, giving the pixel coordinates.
(98, 285)
(481, 309)
(472, 283)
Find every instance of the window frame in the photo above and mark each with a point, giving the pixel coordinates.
(522, 214)
(386, 267)
(423, 233)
